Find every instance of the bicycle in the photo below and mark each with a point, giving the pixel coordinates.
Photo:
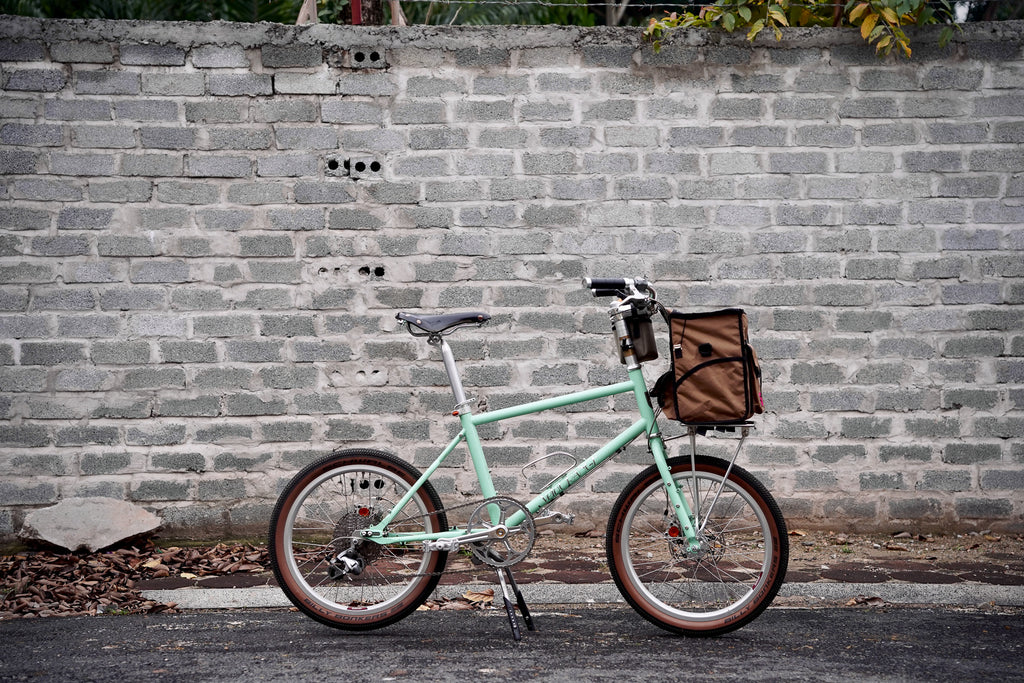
(696, 545)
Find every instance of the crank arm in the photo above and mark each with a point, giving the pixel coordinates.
(452, 544)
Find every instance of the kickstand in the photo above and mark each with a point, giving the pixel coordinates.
(509, 609)
(523, 609)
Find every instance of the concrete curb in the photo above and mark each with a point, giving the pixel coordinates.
(969, 595)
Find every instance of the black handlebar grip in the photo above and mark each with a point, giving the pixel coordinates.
(614, 283)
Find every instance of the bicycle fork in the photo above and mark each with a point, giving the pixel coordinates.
(680, 508)
(684, 514)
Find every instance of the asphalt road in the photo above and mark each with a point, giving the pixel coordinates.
(578, 645)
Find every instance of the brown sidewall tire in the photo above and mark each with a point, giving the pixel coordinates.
(776, 567)
(293, 588)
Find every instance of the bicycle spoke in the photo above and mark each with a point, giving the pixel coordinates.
(692, 587)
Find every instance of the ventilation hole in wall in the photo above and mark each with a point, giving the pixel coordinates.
(375, 166)
(379, 271)
(374, 56)
(365, 270)
(333, 164)
(348, 164)
(359, 56)
(375, 271)
(360, 166)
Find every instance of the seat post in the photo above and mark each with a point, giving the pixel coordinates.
(449, 367)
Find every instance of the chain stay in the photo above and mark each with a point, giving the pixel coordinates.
(486, 501)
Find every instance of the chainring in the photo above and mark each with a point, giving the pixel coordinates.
(516, 544)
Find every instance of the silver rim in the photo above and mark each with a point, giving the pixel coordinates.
(703, 587)
(319, 525)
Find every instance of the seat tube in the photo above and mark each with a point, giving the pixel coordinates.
(476, 454)
(465, 413)
(449, 367)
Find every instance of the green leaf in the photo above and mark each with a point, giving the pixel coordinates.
(755, 29)
(745, 13)
(729, 21)
(945, 36)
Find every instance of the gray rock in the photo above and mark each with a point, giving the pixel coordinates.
(89, 523)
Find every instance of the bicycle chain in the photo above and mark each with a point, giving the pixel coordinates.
(446, 510)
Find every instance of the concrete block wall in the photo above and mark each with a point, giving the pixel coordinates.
(207, 229)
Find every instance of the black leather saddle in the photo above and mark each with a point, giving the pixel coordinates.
(438, 324)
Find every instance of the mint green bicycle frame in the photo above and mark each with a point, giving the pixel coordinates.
(470, 421)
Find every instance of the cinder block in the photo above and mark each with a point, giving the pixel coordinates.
(215, 112)
(35, 80)
(149, 54)
(369, 85)
(166, 137)
(305, 84)
(252, 405)
(171, 84)
(295, 55)
(52, 353)
(306, 138)
(103, 82)
(219, 57)
(35, 135)
(158, 490)
(240, 85)
(284, 111)
(218, 167)
(14, 162)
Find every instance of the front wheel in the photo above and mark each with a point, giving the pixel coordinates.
(326, 569)
(725, 583)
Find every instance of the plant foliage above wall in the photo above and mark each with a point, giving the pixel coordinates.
(881, 22)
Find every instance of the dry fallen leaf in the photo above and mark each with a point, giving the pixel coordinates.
(456, 605)
(864, 600)
(895, 546)
(479, 596)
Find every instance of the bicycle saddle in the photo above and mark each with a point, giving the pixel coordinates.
(435, 324)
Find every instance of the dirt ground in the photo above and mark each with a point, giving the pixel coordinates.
(813, 552)
(813, 548)
(37, 582)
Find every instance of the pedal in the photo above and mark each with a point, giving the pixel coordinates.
(554, 517)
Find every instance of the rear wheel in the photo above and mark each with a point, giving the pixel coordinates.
(327, 570)
(729, 580)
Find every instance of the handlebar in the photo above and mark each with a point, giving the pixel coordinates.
(616, 286)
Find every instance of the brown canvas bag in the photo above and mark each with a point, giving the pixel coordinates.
(715, 377)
